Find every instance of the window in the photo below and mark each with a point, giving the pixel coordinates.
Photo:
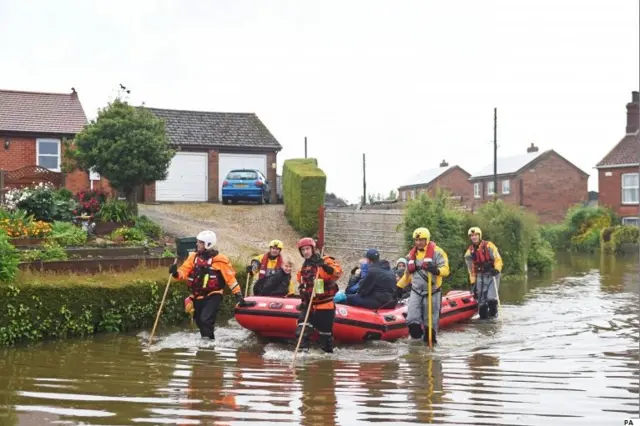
(506, 186)
(413, 194)
(490, 188)
(632, 221)
(242, 175)
(48, 154)
(630, 188)
(477, 192)
(404, 195)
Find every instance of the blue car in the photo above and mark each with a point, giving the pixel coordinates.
(245, 185)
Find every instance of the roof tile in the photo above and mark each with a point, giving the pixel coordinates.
(221, 129)
(625, 152)
(38, 112)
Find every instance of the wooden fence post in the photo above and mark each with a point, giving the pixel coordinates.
(321, 211)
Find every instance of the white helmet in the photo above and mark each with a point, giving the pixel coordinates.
(208, 238)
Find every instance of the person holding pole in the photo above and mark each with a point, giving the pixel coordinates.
(317, 285)
(207, 272)
(484, 264)
(427, 265)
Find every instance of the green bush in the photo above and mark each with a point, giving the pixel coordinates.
(125, 233)
(148, 227)
(50, 251)
(557, 235)
(67, 234)
(115, 210)
(304, 188)
(9, 259)
(619, 239)
(541, 256)
(43, 306)
(584, 225)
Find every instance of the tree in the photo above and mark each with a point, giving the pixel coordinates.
(125, 144)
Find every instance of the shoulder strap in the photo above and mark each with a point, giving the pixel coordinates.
(431, 247)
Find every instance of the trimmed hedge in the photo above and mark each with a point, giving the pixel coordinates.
(620, 239)
(304, 188)
(44, 306)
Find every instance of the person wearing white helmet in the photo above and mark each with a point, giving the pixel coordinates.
(207, 272)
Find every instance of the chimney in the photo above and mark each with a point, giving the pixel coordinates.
(633, 119)
(532, 148)
(444, 164)
(74, 94)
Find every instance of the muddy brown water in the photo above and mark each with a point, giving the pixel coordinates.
(564, 352)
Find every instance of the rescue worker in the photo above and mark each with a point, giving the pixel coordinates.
(484, 264)
(377, 289)
(279, 284)
(267, 263)
(426, 263)
(322, 272)
(207, 272)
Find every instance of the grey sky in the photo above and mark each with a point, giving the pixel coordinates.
(407, 82)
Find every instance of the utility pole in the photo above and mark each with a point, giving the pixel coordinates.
(305, 147)
(495, 153)
(364, 181)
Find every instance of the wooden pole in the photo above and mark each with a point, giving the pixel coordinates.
(495, 153)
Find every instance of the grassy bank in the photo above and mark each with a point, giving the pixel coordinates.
(44, 306)
(515, 233)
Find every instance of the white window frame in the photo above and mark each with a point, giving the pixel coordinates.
(413, 194)
(490, 188)
(59, 155)
(404, 195)
(506, 189)
(635, 220)
(477, 190)
(623, 188)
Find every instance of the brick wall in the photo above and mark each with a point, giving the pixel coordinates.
(512, 197)
(22, 152)
(456, 182)
(610, 191)
(213, 176)
(552, 186)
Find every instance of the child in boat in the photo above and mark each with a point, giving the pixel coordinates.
(280, 283)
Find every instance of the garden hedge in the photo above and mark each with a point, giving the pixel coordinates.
(304, 188)
(620, 239)
(48, 306)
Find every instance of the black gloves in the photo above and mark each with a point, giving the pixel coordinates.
(494, 272)
(327, 268)
(433, 269)
(398, 294)
(240, 300)
(487, 267)
(302, 307)
(315, 260)
(173, 270)
(249, 269)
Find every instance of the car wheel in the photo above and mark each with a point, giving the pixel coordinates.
(261, 201)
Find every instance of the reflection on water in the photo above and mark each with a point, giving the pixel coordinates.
(564, 351)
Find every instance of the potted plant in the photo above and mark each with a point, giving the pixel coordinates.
(112, 215)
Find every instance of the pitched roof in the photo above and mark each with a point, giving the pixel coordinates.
(514, 164)
(221, 129)
(425, 177)
(509, 165)
(624, 153)
(37, 112)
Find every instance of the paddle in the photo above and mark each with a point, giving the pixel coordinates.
(495, 287)
(166, 290)
(430, 309)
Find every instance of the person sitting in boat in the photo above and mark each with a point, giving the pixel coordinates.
(377, 289)
(207, 272)
(401, 266)
(484, 264)
(358, 273)
(266, 264)
(318, 278)
(279, 284)
(427, 265)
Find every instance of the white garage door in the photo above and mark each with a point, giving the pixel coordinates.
(187, 178)
(228, 162)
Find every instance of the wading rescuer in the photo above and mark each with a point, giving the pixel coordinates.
(323, 273)
(207, 272)
(484, 264)
(268, 263)
(427, 263)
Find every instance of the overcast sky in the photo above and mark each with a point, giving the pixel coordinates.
(407, 82)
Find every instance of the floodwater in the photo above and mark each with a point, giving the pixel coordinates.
(565, 351)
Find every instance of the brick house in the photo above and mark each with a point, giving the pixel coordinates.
(450, 178)
(210, 144)
(618, 182)
(545, 183)
(32, 128)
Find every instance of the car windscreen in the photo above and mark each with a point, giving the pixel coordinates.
(242, 175)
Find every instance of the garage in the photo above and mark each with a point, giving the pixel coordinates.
(228, 162)
(186, 180)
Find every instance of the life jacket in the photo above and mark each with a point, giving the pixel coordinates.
(430, 249)
(480, 256)
(308, 275)
(265, 261)
(203, 279)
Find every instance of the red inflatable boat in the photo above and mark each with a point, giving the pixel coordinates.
(276, 317)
